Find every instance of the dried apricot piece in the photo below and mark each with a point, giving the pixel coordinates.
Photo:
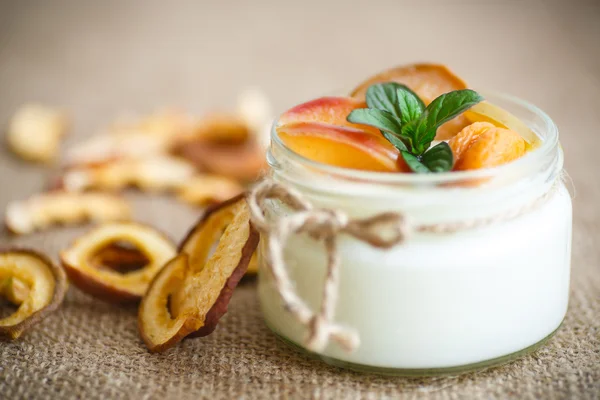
(467, 136)
(45, 287)
(191, 293)
(43, 210)
(428, 81)
(109, 284)
(493, 147)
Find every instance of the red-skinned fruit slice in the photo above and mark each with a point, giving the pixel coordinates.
(191, 294)
(46, 287)
(109, 284)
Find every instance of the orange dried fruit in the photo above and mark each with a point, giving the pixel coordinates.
(428, 81)
(109, 284)
(191, 293)
(486, 146)
(43, 210)
(46, 285)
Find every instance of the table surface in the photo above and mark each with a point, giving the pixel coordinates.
(100, 60)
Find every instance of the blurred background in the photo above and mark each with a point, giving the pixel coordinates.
(102, 59)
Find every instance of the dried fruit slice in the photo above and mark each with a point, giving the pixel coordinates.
(340, 146)
(109, 284)
(241, 161)
(207, 189)
(222, 127)
(46, 286)
(428, 81)
(192, 292)
(41, 211)
(157, 173)
(35, 132)
(327, 110)
(487, 112)
(486, 146)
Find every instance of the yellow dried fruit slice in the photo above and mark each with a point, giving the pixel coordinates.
(46, 286)
(488, 112)
(192, 293)
(109, 284)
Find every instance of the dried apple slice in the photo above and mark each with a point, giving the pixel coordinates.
(208, 189)
(45, 283)
(41, 211)
(35, 132)
(241, 161)
(191, 293)
(13, 290)
(109, 284)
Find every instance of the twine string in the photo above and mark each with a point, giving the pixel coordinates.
(383, 230)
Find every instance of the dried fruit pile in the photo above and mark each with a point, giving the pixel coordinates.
(201, 160)
(389, 122)
(184, 290)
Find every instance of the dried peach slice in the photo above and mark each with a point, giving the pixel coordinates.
(428, 81)
(43, 210)
(327, 110)
(467, 136)
(191, 293)
(490, 148)
(46, 286)
(109, 284)
(340, 146)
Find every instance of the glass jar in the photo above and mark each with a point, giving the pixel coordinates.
(437, 303)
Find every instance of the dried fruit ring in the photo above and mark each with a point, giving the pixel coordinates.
(111, 284)
(192, 292)
(34, 283)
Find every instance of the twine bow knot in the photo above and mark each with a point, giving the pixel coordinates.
(383, 230)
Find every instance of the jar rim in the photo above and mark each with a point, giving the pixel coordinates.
(548, 144)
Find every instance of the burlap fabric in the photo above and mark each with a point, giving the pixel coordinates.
(99, 59)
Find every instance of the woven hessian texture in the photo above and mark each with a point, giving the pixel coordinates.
(100, 59)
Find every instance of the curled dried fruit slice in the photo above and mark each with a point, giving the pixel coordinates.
(192, 292)
(35, 132)
(41, 211)
(241, 161)
(151, 174)
(13, 290)
(207, 189)
(428, 81)
(80, 261)
(45, 283)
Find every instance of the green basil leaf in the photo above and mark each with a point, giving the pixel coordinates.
(382, 120)
(443, 109)
(439, 158)
(413, 162)
(382, 96)
(397, 141)
(411, 106)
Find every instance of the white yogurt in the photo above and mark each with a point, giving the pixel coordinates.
(439, 302)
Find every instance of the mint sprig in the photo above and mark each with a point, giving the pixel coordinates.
(404, 121)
